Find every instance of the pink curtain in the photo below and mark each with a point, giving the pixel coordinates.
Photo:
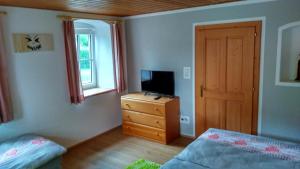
(116, 30)
(73, 72)
(5, 100)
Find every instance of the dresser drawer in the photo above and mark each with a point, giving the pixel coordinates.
(144, 131)
(145, 119)
(145, 107)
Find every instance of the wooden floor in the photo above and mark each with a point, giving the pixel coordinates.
(113, 150)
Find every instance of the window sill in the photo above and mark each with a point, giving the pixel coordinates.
(96, 91)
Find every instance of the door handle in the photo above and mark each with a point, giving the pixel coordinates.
(201, 91)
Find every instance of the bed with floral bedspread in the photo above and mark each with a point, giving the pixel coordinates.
(30, 152)
(220, 149)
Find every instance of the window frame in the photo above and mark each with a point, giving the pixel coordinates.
(91, 33)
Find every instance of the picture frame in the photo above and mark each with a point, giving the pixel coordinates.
(33, 42)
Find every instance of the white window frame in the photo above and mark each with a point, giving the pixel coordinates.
(92, 58)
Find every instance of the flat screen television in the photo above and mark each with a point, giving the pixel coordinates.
(160, 82)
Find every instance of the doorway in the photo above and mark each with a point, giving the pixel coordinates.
(227, 72)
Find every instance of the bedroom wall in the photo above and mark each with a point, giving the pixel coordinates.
(165, 42)
(39, 87)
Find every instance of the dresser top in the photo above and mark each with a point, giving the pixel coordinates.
(149, 98)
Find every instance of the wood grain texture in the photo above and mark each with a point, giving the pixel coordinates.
(258, 28)
(172, 119)
(145, 117)
(227, 66)
(144, 131)
(113, 150)
(143, 106)
(147, 98)
(112, 7)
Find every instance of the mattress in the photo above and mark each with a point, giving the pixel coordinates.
(221, 149)
(28, 152)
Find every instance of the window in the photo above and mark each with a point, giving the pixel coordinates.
(85, 50)
(94, 50)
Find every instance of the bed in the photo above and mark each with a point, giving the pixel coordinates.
(221, 149)
(30, 152)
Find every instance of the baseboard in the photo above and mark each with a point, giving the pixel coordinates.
(187, 136)
(85, 141)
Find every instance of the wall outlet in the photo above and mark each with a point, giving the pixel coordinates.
(186, 72)
(185, 119)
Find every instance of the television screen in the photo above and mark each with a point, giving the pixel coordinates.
(161, 82)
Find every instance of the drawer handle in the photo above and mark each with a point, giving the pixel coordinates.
(157, 109)
(128, 117)
(127, 105)
(157, 122)
(157, 134)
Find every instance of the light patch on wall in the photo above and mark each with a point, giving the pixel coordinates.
(32, 42)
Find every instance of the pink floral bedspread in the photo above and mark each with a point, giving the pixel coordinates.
(277, 149)
(28, 151)
(221, 149)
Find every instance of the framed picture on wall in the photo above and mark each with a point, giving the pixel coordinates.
(32, 42)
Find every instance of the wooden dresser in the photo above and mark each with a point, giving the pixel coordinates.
(156, 120)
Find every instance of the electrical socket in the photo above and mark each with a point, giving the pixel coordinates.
(186, 72)
(185, 119)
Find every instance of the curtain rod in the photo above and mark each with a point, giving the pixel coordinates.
(65, 17)
(3, 13)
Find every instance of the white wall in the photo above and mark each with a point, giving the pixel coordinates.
(39, 87)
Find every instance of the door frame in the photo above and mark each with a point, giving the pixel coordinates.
(259, 54)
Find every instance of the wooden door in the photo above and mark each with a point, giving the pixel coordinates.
(227, 77)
